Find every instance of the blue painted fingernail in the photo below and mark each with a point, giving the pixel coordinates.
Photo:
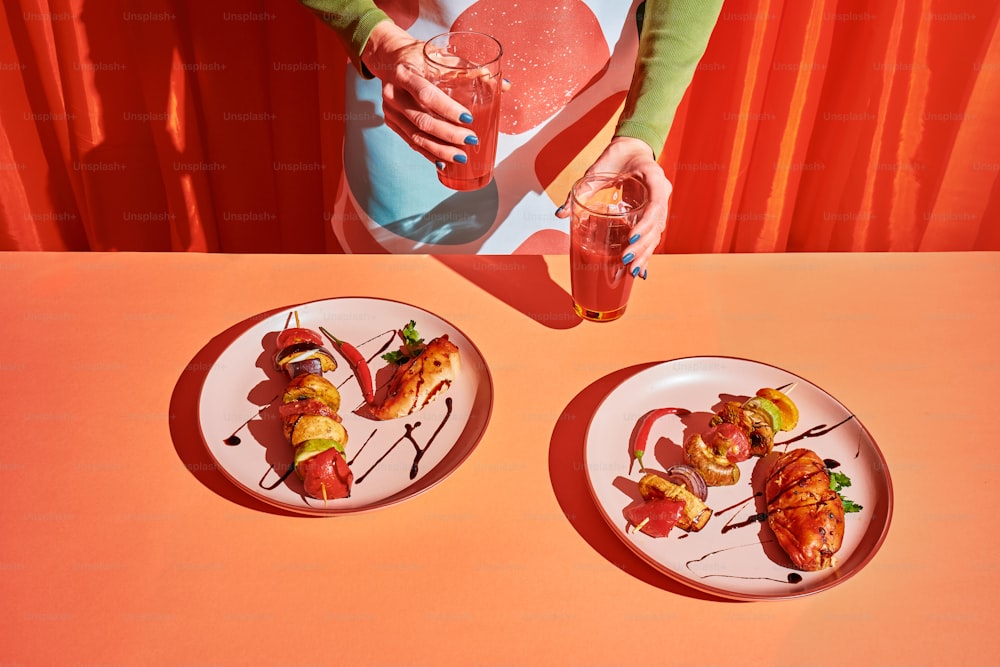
(461, 159)
(471, 140)
(635, 272)
(559, 210)
(439, 164)
(466, 117)
(634, 238)
(628, 258)
(645, 272)
(506, 80)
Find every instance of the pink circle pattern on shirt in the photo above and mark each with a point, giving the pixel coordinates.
(552, 50)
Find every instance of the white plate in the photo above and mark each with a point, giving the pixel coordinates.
(240, 391)
(733, 556)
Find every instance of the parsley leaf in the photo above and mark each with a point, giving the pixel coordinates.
(839, 481)
(412, 345)
(850, 506)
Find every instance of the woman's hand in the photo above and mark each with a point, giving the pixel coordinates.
(432, 123)
(625, 155)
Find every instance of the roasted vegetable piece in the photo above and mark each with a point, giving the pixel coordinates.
(767, 410)
(301, 352)
(756, 426)
(806, 515)
(326, 475)
(789, 411)
(714, 466)
(299, 428)
(298, 335)
(696, 513)
(654, 517)
(312, 386)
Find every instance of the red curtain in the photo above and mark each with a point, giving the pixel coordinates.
(810, 126)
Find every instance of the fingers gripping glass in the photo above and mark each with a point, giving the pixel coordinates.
(605, 207)
(466, 66)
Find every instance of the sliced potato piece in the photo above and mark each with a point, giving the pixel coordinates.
(313, 427)
(313, 386)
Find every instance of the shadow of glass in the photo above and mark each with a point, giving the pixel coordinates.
(520, 281)
(567, 472)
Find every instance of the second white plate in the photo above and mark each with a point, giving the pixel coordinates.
(733, 556)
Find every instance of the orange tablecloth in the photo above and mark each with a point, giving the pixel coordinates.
(120, 545)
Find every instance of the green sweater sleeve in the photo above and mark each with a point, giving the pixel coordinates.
(674, 37)
(352, 20)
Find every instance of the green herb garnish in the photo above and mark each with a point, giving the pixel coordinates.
(412, 345)
(839, 481)
(850, 505)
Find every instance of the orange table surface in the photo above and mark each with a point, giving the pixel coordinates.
(121, 545)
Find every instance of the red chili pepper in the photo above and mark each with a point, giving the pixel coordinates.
(358, 363)
(646, 425)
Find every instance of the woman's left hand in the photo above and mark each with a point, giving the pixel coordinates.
(625, 155)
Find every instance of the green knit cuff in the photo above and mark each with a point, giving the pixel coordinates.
(651, 135)
(362, 32)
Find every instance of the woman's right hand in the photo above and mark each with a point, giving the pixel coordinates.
(432, 123)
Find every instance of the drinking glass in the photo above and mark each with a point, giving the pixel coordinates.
(466, 66)
(605, 207)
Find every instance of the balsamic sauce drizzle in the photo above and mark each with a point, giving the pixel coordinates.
(363, 445)
(286, 475)
(739, 504)
(792, 578)
(822, 429)
(420, 452)
(408, 435)
(234, 439)
(754, 518)
(385, 347)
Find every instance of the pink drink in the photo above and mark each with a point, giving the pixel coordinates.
(481, 96)
(605, 207)
(466, 66)
(601, 284)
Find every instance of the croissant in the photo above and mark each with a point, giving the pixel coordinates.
(805, 514)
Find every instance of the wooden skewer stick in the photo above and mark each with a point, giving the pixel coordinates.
(636, 529)
(297, 325)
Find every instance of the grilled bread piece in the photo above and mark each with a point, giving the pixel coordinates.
(806, 515)
(420, 380)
